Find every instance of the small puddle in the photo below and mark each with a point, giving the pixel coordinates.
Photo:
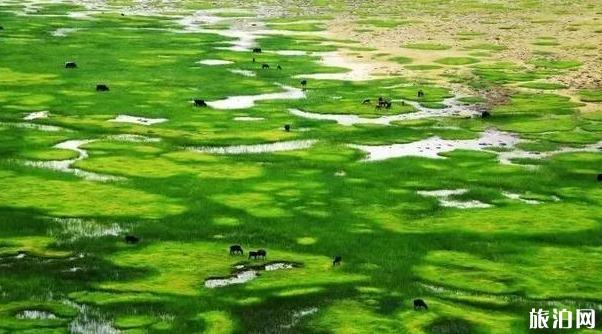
(89, 321)
(444, 198)
(298, 315)
(63, 32)
(34, 126)
(248, 101)
(214, 62)
(245, 73)
(258, 148)
(518, 197)
(126, 137)
(290, 52)
(248, 119)
(137, 120)
(76, 228)
(35, 315)
(36, 115)
(244, 273)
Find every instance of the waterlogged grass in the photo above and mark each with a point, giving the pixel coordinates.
(556, 64)
(543, 85)
(591, 95)
(479, 270)
(427, 46)
(402, 60)
(457, 60)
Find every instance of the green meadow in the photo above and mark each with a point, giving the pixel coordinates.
(272, 159)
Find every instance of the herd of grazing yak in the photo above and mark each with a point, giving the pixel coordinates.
(235, 250)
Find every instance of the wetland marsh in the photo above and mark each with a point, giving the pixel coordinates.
(447, 151)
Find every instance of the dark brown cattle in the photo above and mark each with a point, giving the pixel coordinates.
(287, 127)
(130, 239)
(236, 249)
(70, 64)
(600, 177)
(420, 304)
(199, 103)
(253, 255)
(102, 88)
(257, 50)
(337, 260)
(265, 66)
(485, 114)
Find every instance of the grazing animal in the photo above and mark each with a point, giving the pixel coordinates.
(253, 255)
(600, 177)
(236, 249)
(303, 83)
(257, 50)
(199, 103)
(420, 93)
(382, 103)
(264, 66)
(70, 64)
(130, 239)
(287, 127)
(278, 67)
(366, 101)
(261, 253)
(253, 59)
(403, 103)
(102, 88)
(420, 304)
(337, 260)
(485, 114)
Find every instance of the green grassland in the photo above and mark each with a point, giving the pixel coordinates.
(480, 270)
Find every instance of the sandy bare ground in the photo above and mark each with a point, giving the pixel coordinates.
(574, 29)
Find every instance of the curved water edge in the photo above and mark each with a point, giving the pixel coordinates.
(34, 126)
(245, 273)
(491, 138)
(35, 315)
(248, 101)
(257, 148)
(445, 200)
(433, 146)
(137, 120)
(507, 157)
(36, 115)
(244, 73)
(63, 32)
(214, 62)
(455, 108)
(511, 298)
(357, 71)
(66, 166)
